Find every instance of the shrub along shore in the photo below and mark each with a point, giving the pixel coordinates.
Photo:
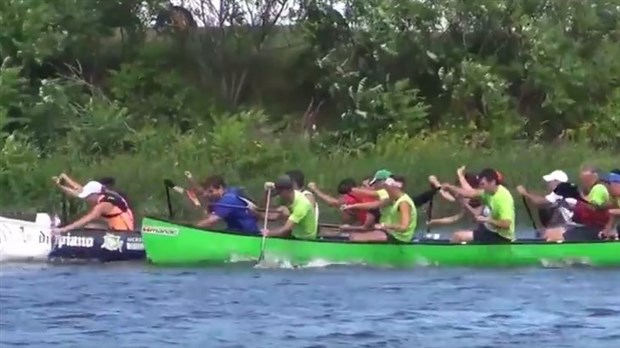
(141, 176)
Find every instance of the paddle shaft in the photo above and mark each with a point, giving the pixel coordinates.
(429, 215)
(529, 213)
(261, 256)
(169, 202)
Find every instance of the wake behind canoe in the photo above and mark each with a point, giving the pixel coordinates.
(168, 243)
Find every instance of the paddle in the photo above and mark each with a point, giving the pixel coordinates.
(350, 228)
(429, 215)
(529, 213)
(261, 256)
(192, 197)
(168, 184)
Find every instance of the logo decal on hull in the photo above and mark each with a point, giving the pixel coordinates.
(112, 242)
(74, 241)
(134, 243)
(44, 238)
(164, 231)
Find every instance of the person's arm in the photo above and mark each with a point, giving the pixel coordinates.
(539, 200)
(209, 221)
(460, 174)
(365, 192)
(367, 205)
(70, 182)
(465, 192)
(299, 213)
(405, 218)
(447, 220)
(273, 215)
(504, 221)
(284, 230)
(95, 213)
(69, 191)
(436, 184)
(334, 202)
(609, 230)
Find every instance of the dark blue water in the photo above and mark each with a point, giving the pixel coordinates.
(239, 306)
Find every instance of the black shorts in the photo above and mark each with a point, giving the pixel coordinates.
(581, 233)
(484, 235)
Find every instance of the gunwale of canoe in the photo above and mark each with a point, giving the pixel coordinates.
(169, 243)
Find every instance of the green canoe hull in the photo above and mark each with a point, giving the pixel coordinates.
(167, 243)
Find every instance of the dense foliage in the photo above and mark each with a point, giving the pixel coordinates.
(95, 84)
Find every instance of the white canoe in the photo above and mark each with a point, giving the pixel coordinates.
(26, 240)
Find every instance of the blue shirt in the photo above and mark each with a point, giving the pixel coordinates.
(237, 219)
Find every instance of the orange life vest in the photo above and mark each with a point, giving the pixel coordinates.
(121, 218)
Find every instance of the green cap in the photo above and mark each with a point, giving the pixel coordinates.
(382, 174)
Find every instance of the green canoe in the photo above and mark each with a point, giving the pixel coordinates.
(168, 243)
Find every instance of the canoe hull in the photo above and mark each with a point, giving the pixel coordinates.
(24, 240)
(98, 245)
(168, 244)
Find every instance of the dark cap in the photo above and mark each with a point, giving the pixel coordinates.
(284, 182)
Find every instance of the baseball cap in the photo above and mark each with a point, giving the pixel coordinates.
(393, 183)
(382, 174)
(92, 187)
(611, 178)
(283, 182)
(556, 175)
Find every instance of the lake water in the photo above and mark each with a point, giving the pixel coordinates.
(135, 305)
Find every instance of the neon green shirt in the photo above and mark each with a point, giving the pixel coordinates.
(502, 207)
(392, 217)
(598, 195)
(303, 215)
(383, 195)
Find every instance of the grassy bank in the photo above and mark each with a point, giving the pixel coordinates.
(140, 175)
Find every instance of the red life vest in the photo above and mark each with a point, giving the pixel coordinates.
(589, 215)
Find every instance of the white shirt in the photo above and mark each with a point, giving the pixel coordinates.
(564, 205)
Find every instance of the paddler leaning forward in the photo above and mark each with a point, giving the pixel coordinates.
(398, 212)
(499, 226)
(301, 223)
(106, 205)
(226, 204)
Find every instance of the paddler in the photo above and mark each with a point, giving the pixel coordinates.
(398, 213)
(346, 196)
(299, 184)
(72, 188)
(226, 204)
(498, 226)
(561, 216)
(301, 223)
(612, 182)
(591, 210)
(106, 205)
(471, 207)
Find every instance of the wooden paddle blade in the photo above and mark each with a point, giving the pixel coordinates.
(192, 197)
(168, 183)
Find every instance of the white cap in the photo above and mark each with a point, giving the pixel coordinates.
(92, 187)
(556, 175)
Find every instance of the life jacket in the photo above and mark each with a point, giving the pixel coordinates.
(121, 218)
(360, 214)
(589, 215)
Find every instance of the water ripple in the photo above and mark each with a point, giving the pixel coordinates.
(143, 306)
